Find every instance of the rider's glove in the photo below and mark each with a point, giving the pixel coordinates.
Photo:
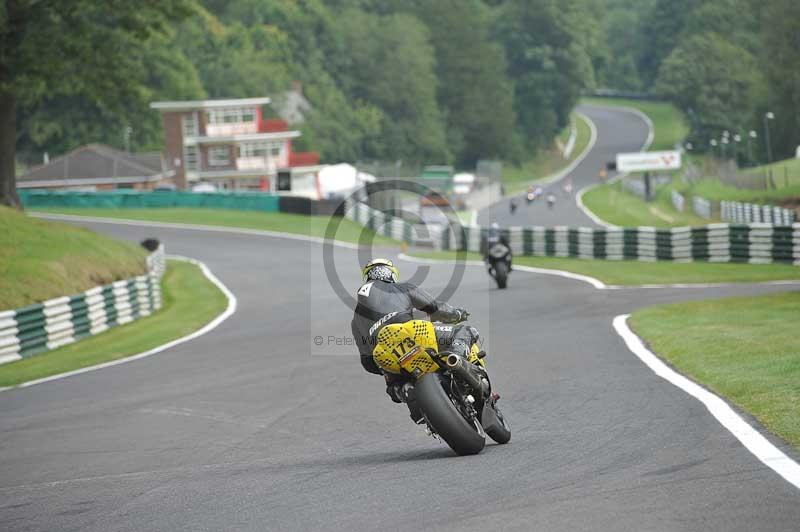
(394, 387)
(394, 391)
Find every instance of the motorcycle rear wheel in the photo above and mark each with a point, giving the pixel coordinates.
(463, 436)
(501, 274)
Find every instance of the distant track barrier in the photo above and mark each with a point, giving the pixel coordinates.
(148, 200)
(753, 243)
(40, 327)
(738, 212)
(135, 199)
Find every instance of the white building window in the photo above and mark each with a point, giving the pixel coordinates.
(231, 115)
(253, 149)
(190, 125)
(190, 158)
(275, 148)
(219, 156)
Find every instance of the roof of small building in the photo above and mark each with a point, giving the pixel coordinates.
(188, 105)
(96, 162)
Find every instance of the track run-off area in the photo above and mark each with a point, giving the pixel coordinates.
(268, 421)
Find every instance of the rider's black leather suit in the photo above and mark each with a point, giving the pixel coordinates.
(381, 303)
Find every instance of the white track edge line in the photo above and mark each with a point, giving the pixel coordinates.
(600, 285)
(194, 227)
(229, 310)
(753, 441)
(597, 283)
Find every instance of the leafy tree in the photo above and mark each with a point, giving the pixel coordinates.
(235, 61)
(615, 62)
(389, 64)
(547, 62)
(474, 92)
(733, 19)
(662, 29)
(780, 35)
(717, 80)
(71, 48)
(339, 129)
(60, 122)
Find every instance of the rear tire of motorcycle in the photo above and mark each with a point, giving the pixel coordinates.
(501, 275)
(464, 438)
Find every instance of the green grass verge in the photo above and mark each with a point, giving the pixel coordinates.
(547, 162)
(40, 260)
(464, 216)
(785, 176)
(713, 189)
(670, 126)
(348, 230)
(632, 273)
(189, 302)
(745, 349)
(617, 206)
(784, 173)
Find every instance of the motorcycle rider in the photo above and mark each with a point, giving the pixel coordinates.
(383, 300)
(495, 236)
(551, 200)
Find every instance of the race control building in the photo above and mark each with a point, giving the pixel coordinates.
(229, 143)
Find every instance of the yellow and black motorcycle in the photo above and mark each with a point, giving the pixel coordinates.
(453, 393)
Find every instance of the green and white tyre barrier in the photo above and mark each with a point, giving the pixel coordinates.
(382, 223)
(41, 327)
(738, 212)
(754, 243)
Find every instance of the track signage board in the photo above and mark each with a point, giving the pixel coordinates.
(648, 161)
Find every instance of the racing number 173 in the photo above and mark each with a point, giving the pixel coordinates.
(403, 347)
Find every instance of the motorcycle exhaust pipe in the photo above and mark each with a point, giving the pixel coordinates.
(461, 367)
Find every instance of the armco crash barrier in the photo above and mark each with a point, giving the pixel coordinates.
(754, 243)
(132, 199)
(43, 326)
(250, 201)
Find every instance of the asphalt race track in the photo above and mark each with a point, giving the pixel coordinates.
(255, 427)
(618, 131)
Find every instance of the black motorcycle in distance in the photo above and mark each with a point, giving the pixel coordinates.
(498, 262)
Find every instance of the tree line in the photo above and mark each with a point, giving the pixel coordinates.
(450, 81)
(418, 81)
(725, 63)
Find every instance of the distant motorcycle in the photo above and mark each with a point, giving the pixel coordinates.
(498, 262)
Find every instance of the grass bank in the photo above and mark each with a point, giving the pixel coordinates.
(785, 177)
(631, 273)
(669, 123)
(745, 349)
(189, 302)
(617, 206)
(348, 231)
(547, 162)
(40, 260)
